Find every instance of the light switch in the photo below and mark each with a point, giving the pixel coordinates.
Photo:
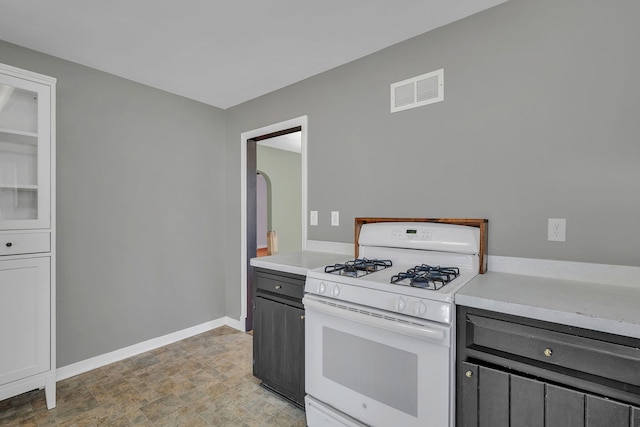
(335, 218)
(313, 218)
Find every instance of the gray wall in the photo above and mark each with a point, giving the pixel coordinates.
(262, 210)
(140, 209)
(284, 169)
(540, 120)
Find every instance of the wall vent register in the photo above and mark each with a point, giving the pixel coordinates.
(418, 91)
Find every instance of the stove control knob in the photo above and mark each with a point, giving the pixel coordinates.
(401, 304)
(322, 287)
(421, 308)
(335, 291)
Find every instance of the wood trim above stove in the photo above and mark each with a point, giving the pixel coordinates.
(482, 224)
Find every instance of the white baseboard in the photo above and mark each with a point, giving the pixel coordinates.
(233, 323)
(115, 356)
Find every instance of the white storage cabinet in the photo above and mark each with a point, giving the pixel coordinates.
(27, 233)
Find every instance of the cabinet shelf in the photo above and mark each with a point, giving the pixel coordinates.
(12, 141)
(19, 132)
(18, 187)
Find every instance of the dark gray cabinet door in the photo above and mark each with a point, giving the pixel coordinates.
(278, 347)
(469, 392)
(635, 417)
(565, 408)
(527, 402)
(495, 398)
(604, 412)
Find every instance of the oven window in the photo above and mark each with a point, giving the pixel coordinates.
(381, 372)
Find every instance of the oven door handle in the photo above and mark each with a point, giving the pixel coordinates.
(411, 330)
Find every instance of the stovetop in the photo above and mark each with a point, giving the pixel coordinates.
(383, 280)
(424, 276)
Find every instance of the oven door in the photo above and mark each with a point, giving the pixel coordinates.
(379, 368)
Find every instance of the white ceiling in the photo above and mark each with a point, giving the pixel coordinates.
(219, 52)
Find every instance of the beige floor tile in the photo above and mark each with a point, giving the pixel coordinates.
(204, 380)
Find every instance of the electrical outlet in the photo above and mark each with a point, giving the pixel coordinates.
(335, 218)
(557, 230)
(313, 218)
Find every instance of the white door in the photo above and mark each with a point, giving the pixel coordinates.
(24, 318)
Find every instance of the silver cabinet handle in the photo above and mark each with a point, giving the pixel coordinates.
(278, 286)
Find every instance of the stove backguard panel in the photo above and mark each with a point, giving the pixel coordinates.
(482, 224)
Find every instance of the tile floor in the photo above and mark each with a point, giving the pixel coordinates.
(204, 380)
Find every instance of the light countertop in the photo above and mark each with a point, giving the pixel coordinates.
(607, 308)
(298, 262)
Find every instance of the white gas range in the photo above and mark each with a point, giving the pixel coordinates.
(379, 332)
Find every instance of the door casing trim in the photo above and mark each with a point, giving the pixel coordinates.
(244, 136)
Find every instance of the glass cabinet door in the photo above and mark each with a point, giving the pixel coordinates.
(25, 128)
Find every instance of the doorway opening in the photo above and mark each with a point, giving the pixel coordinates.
(249, 149)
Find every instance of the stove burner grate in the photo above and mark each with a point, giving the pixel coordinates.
(427, 277)
(358, 267)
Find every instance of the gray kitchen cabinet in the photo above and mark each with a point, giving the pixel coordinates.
(514, 371)
(278, 333)
(495, 398)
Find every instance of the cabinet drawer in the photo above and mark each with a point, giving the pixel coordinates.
(280, 287)
(530, 342)
(281, 284)
(24, 243)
